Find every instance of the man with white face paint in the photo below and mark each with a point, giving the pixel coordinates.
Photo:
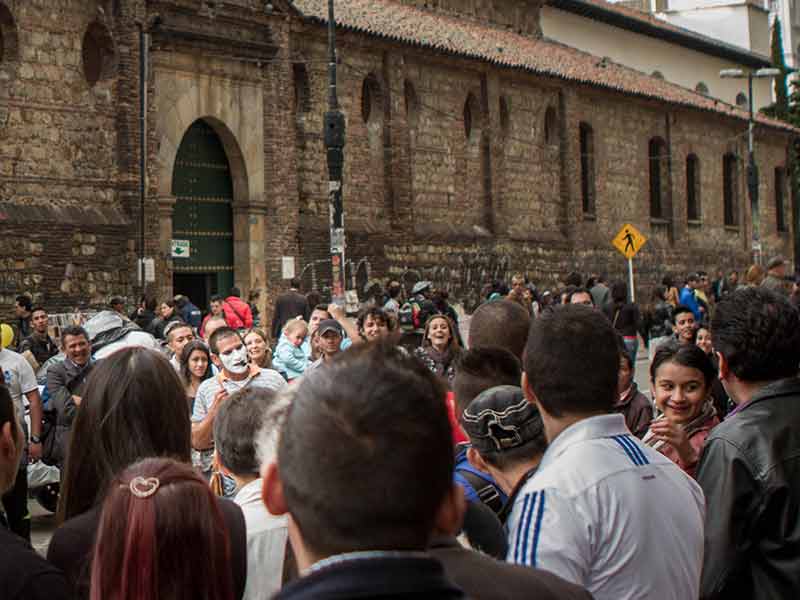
(229, 354)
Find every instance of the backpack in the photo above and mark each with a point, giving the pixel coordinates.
(408, 318)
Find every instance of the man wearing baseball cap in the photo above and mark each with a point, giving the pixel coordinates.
(776, 277)
(330, 334)
(507, 437)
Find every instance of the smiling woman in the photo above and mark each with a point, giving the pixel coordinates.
(681, 377)
(440, 348)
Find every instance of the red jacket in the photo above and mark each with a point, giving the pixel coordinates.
(237, 313)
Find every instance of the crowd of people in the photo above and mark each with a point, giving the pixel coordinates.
(384, 457)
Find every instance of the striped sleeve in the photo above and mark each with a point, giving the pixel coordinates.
(546, 532)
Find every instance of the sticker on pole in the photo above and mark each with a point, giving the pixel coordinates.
(181, 248)
(629, 241)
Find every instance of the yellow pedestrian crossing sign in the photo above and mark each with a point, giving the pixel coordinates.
(629, 241)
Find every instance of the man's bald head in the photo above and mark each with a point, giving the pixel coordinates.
(501, 324)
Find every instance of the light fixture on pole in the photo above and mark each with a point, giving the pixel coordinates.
(752, 167)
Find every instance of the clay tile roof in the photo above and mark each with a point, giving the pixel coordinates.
(450, 34)
(644, 23)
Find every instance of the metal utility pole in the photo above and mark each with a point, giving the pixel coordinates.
(752, 176)
(334, 135)
(752, 167)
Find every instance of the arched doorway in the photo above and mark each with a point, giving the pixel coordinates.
(202, 223)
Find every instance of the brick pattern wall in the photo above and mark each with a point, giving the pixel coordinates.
(422, 199)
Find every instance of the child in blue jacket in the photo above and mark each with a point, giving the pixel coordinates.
(289, 357)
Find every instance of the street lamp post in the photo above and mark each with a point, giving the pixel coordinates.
(752, 167)
(334, 136)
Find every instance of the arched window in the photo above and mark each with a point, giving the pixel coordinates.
(657, 156)
(97, 54)
(657, 74)
(550, 126)
(701, 88)
(780, 193)
(302, 90)
(412, 104)
(8, 38)
(472, 118)
(505, 117)
(741, 100)
(587, 168)
(692, 188)
(730, 189)
(371, 100)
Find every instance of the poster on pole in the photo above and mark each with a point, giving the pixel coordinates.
(287, 267)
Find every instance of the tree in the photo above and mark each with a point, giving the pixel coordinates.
(780, 108)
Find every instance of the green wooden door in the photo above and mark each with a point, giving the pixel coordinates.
(202, 185)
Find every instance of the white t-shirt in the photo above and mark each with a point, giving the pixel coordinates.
(19, 378)
(204, 399)
(612, 515)
(267, 536)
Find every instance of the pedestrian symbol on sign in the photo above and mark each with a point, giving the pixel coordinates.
(629, 240)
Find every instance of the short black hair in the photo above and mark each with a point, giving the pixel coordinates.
(239, 422)
(73, 330)
(479, 369)
(686, 355)
(218, 335)
(378, 314)
(24, 301)
(295, 283)
(235, 291)
(692, 277)
(500, 324)
(38, 308)
(216, 298)
(574, 278)
(572, 361)
(365, 455)
(580, 290)
(532, 449)
(680, 309)
(758, 333)
(393, 291)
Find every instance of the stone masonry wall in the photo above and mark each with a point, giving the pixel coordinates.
(536, 223)
(63, 219)
(455, 170)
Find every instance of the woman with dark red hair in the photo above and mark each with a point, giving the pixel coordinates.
(156, 510)
(134, 408)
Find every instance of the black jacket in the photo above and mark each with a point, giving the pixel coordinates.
(288, 306)
(64, 380)
(72, 545)
(24, 575)
(386, 578)
(484, 578)
(750, 473)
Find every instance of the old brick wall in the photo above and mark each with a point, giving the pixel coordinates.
(63, 216)
(456, 171)
(533, 186)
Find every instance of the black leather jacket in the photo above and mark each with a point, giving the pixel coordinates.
(750, 473)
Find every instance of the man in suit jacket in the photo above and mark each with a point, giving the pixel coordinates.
(289, 305)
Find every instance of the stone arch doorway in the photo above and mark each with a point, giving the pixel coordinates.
(202, 221)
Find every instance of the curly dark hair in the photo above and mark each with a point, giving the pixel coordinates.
(758, 333)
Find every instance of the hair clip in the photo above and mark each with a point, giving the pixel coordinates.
(144, 487)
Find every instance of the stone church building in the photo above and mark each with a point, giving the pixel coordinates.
(475, 148)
